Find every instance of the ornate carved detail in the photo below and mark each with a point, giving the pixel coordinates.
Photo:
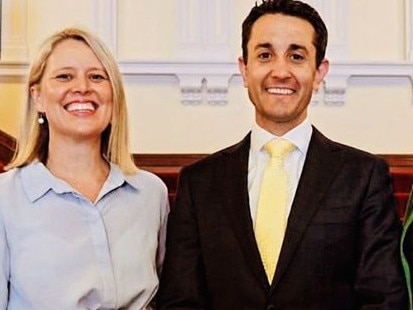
(197, 88)
(335, 90)
(206, 78)
(191, 95)
(217, 96)
(208, 82)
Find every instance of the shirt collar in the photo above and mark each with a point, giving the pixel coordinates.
(299, 135)
(37, 180)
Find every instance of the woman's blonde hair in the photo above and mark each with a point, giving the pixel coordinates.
(33, 140)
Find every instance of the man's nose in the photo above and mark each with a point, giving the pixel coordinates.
(280, 68)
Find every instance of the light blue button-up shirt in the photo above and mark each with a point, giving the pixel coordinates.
(60, 251)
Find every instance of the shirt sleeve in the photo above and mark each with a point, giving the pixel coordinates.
(5, 267)
(165, 208)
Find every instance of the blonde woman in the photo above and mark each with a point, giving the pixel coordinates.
(80, 226)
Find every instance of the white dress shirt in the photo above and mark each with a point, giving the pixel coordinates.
(59, 251)
(300, 136)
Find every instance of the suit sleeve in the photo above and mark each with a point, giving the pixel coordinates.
(182, 279)
(380, 282)
(406, 248)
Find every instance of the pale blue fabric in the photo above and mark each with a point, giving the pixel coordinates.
(60, 251)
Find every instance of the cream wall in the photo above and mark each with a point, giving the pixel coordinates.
(160, 50)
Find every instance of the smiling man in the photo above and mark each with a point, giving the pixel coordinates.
(332, 242)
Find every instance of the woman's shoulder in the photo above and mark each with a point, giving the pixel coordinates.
(150, 185)
(8, 176)
(10, 185)
(147, 179)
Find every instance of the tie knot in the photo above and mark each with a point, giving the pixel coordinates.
(279, 148)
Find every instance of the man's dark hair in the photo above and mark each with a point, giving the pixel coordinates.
(290, 8)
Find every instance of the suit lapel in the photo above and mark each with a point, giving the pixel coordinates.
(237, 207)
(321, 165)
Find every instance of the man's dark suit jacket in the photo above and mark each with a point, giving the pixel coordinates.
(341, 247)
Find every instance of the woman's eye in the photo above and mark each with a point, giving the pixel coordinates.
(97, 77)
(64, 77)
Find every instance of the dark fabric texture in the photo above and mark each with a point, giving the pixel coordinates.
(341, 247)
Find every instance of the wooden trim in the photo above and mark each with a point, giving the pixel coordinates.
(395, 161)
(7, 146)
(167, 166)
(178, 160)
(175, 161)
(165, 162)
(399, 161)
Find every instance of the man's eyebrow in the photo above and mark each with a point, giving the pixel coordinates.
(295, 47)
(263, 45)
(292, 47)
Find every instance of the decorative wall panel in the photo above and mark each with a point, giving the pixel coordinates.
(13, 38)
(204, 68)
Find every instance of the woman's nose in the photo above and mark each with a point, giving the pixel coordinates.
(81, 84)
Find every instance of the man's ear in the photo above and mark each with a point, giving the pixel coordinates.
(243, 70)
(321, 72)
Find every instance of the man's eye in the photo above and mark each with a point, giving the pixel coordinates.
(264, 55)
(297, 57)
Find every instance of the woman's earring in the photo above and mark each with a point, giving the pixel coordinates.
(40, 120)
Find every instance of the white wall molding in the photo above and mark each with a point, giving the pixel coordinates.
(335, 15)
(409, 29)
(11, 72)
(193, 77)
(105, 22)
(201, 82)
(204, 29)
(14, 31)
(14, 27)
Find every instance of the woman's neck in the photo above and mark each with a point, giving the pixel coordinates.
(81, 166)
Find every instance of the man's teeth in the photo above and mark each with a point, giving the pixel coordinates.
(280, 91)
(80, 107)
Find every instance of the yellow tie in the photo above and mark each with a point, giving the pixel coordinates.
(272, 205)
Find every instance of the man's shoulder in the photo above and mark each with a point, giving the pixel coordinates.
(347, 151)
(216, 159)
